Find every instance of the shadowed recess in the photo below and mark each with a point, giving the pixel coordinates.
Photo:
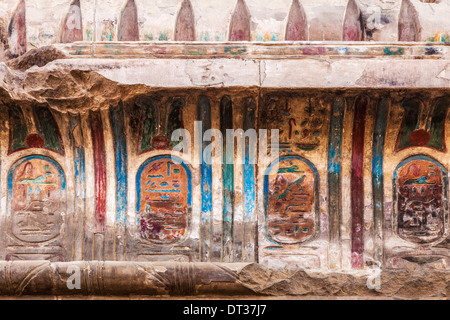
(408, 23)
(117, 119)
(47, 128)
(297, 25)
(437, 124)
(72, 29)
(17, 31)
(240, 23)
(150, 123)
(379, 134)
(421, 126)
(17, 129)
(174, 119)
(185, 25)
(353, 29)
(42, 130)
(128, 26)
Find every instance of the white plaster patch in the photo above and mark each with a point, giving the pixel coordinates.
(445, 74)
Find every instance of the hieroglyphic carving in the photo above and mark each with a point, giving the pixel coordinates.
(291, 201)
(36, 187)
(164, 199)
(420, 200)
(301, 122)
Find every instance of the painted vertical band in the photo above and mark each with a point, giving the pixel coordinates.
(120, 152)
(357, 184)
(377, 177)
(334, 179)
(248, 253)
(77, 141)
(204, 115)
(226, 122)
(98, 142)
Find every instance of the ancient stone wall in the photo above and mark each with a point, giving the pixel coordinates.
(93, 95)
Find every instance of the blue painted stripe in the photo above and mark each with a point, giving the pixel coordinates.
(121, 166)
(422, 157)
(80, 172)
(249, 184)
(249, 165)
(334, 169)
(249, 189)
(204, 115)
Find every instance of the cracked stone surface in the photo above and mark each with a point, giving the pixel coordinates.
(45, 76)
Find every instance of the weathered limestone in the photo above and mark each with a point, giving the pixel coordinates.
(101, 20)
(165, 279)
(91, 177)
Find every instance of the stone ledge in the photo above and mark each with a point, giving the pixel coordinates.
(172, 279)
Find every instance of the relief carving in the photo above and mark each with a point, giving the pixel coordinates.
(421, 206)
(301, 122)
(164, 199)
(36, 194)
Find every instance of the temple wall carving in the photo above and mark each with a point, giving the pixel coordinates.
(203, 145)
(361, 179)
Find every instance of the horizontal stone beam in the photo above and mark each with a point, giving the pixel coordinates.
(270, 73)
(119, 278)
(171, 279)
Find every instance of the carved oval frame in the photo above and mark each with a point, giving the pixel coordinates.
(315, 205)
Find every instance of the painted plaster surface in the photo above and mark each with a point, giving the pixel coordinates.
(92, 93)
(50, 22)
